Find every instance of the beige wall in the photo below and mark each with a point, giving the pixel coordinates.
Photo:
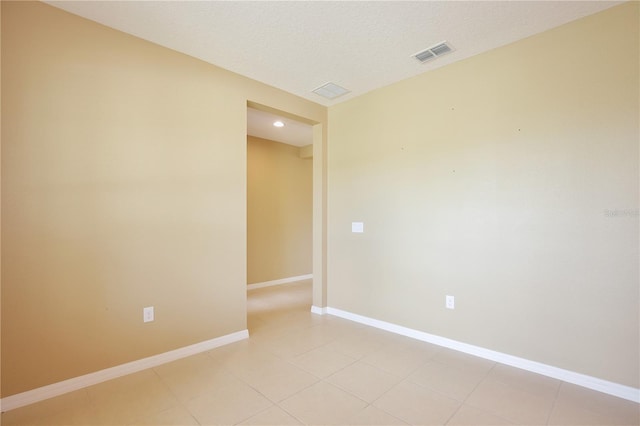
(123, 186)
(279, 211)
(489, 180)
(0, 207)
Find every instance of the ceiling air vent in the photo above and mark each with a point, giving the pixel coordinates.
(433, 52)
(330, 91)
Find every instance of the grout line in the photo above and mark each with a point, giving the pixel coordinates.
(383, 394)
(555, 399)
(166, 385)
(259, 412)
(464, 400)
(291, 414)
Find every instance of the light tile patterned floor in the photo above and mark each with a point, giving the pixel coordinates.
(301, 368)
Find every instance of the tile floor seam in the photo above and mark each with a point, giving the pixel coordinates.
(291, 414)
(494, 413)
(348, 391)
(383, 394)
(404, 376)
(331, 374)
(180, 402)
(459, 405)
(168, 389)
(289, 359)
(254, 414)
(257, 390)
(553, 404)
(165, 410)
(382, 409)
(387, 413)
(453, 414)
(300, 390)
(464, 401)
(592, 411)
(486, 374)
(296, 355)
(194, 418)
(355, 361)
(345, 390)
(92, 402)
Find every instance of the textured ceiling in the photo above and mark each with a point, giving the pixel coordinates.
(300, 45)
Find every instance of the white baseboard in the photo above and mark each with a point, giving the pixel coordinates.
(611, 388)
(70, 385)
(280, 281)
(318, 310)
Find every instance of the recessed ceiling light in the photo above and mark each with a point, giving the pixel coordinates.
(278, 124)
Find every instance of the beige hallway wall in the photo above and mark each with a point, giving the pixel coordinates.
(510, 181)
(279, 211)
(123, 186)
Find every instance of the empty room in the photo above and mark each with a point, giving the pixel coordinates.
(454, 241)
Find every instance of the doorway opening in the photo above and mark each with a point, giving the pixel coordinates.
(285, 211)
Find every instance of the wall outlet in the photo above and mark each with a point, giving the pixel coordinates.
(147, 314)
(450, 302)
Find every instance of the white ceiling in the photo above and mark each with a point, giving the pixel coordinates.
(300, 45)
(260, 124)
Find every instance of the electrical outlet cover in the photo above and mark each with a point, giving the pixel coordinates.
(147, 314)
(450, 302)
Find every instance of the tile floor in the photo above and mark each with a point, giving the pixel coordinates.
(301, 368)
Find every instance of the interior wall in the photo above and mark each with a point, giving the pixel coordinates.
(0, 202)
(123, 186)
(279, 211)
(510, 181)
